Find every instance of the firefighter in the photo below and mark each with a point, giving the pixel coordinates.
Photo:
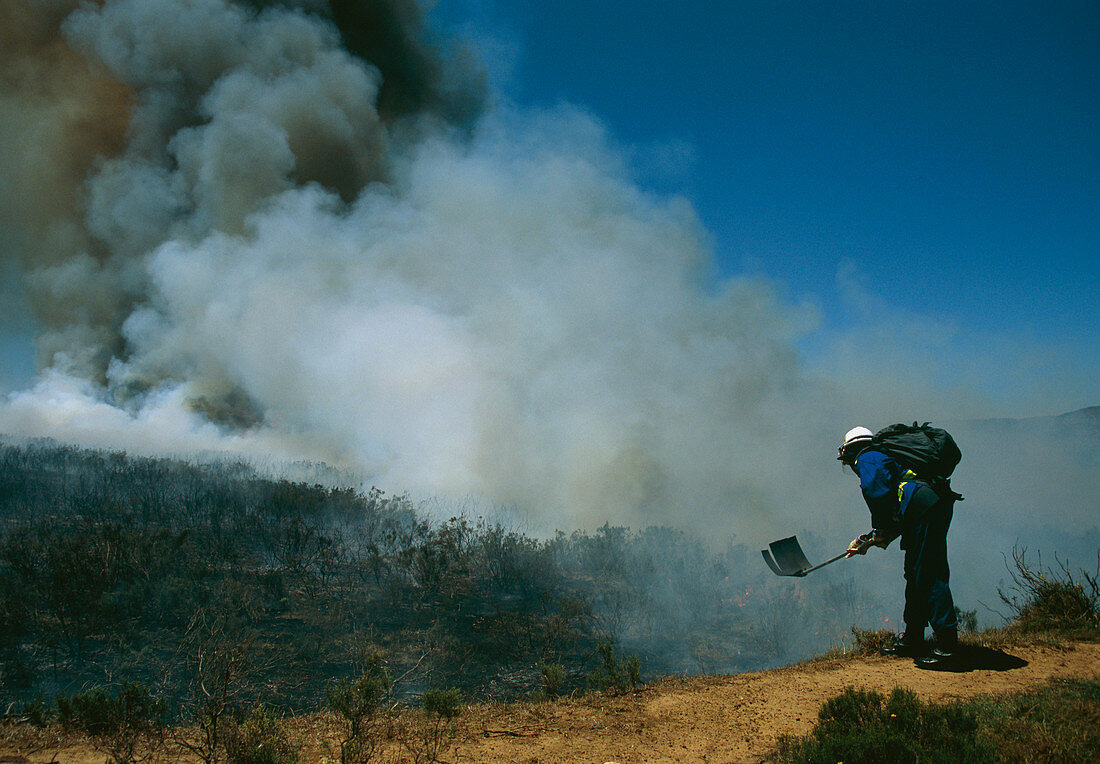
(903, 505)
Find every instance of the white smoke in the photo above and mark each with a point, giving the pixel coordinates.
(509, 317)
(268, 262)
(503, 314)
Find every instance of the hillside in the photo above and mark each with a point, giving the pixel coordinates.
(695, 719)
(116, 569)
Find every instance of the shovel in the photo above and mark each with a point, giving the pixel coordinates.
(787, 559)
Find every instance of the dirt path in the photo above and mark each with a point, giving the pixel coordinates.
(696, 719)
(738, 718)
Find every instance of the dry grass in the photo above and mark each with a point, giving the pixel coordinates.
(16, 735)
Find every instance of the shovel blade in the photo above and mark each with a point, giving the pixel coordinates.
(788, 558)
(771, 563)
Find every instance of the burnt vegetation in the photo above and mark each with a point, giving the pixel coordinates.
(215, 589)
(209, 583)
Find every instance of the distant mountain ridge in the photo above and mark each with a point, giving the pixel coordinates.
(1091, 414)
(1086, 418)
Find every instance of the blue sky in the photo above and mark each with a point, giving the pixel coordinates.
(915, 164)
(942, 157)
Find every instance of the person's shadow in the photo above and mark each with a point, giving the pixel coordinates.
(977, 658)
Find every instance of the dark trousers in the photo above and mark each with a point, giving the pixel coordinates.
(927, 593)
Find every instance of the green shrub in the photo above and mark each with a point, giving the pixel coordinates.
(610, 676)
(443, 704)
(633, 666)
(259, 739)
(553, 677)
(1042, 598)
(358, 702)
(35, 712)
(1058, 722)
(123, 725)
(441, 708)
(865, 726)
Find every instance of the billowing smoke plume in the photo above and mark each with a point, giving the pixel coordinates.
(298, 229)
(150, 121)
(293, 227)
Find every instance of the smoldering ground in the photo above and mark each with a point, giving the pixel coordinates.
(304, 230)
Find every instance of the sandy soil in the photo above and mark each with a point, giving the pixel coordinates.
(738, 718)
(697, 719)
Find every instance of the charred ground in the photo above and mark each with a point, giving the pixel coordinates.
(116, 569)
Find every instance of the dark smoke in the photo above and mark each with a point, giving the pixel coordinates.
(129, 123)
(416, 77)
(61, 115)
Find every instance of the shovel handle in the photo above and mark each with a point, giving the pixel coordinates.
(822, 565)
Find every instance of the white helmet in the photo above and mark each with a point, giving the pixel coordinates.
(852, 440)
(857, 433)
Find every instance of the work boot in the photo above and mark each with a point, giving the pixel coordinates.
(908, 644)
(944, 655)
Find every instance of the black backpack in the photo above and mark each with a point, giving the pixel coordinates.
(929, 451)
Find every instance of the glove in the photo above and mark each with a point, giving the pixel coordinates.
(860, 544)
(865, 541)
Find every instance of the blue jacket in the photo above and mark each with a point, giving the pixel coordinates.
(887, 488)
